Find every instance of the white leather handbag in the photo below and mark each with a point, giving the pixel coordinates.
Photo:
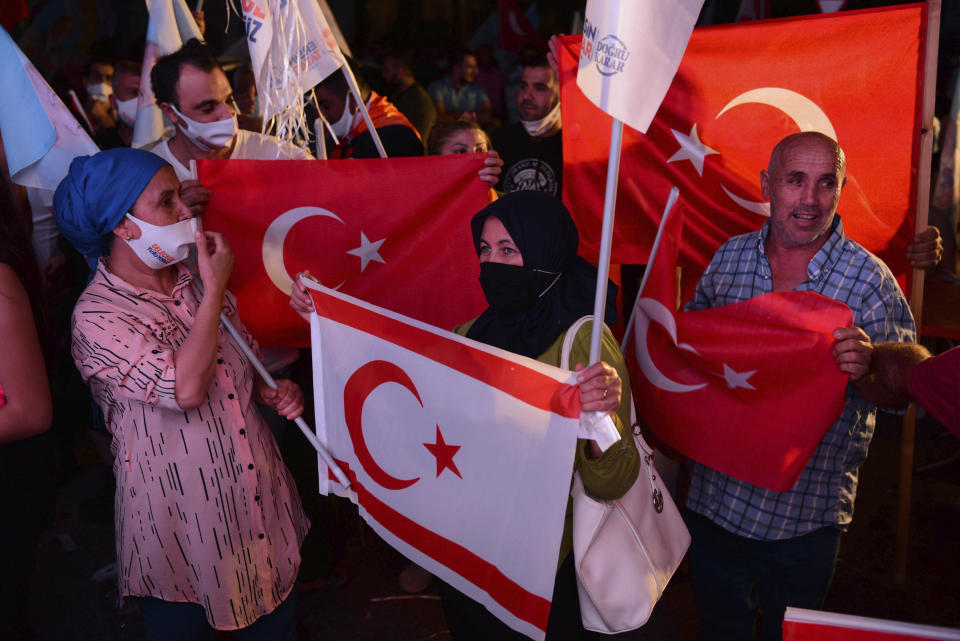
(625, 551)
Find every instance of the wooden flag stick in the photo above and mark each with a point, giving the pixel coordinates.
(908, 435)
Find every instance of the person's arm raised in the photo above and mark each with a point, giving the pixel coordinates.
(196, 357)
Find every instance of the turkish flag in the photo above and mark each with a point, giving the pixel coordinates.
(460, 454)
(740, 88)
(516, 30)
(813, 625)
(748, 389)
(395, 232)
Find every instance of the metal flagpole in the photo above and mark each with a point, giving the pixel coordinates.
(272, 384)
(605, 432)
(606, 238)
(355, 90)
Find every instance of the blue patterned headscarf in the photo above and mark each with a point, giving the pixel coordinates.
(98, 191)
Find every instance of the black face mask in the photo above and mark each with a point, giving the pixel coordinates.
(514, 289)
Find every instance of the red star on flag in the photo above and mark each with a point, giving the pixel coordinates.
(444, 454)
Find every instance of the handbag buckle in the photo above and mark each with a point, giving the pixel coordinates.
(657, 500)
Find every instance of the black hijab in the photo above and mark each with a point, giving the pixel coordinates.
(545, 234)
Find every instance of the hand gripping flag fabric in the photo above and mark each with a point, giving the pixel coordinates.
(814, 625)
(459, 454)
(171, 25)
(40, 136)
(630, 52)
(855, 76)
(393, 232)
(748, 389)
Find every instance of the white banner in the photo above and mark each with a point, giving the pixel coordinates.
(631, 50)
(292, 48)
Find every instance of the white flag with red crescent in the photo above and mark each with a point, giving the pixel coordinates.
(630, 53)
(460, 455)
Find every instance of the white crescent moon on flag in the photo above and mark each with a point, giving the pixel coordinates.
(655, 310)
(805, 113)
(276, 235)
(514, 24)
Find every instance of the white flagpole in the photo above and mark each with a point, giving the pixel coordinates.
(606, 238)
(272, 384)
(355, 90)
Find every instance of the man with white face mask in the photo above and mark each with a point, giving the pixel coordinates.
(97, 89)
(194, 94)
(124, 101)
(532, 149)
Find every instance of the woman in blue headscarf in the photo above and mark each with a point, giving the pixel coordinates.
(208, 521)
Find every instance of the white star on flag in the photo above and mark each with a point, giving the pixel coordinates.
(736, 379)
(368, 251)
(691, 149)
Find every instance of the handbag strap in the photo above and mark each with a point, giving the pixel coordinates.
(569, 337)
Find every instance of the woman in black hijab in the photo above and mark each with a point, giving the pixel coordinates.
(537, 287)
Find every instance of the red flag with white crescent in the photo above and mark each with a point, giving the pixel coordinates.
(516, 30)
(459, 454)
(855, 76)
(748, 389)
(394, 232)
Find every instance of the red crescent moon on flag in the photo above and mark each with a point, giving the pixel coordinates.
(360, 385)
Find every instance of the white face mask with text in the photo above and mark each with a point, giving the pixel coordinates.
(160, 246)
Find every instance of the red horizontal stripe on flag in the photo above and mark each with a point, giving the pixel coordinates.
(514, 598)
(533, 388)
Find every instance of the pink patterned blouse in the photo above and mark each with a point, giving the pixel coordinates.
(206, 511)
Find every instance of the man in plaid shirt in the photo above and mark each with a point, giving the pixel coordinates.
(754, 549)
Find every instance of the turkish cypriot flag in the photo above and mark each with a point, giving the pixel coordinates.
(460, 454)
(630, 53)
(292, 49)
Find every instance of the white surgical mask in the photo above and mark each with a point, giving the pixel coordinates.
(344, 124)
(538, 127)
(217, 134)
(100, 91)
(160, 246)
(127, 109)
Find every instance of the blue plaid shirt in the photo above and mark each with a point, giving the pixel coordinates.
(824, 493)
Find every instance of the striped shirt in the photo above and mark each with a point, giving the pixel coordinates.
(205, 510)
(824, 493)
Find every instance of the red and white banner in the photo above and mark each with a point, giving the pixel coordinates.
(814, 625)
(854, 76)
(731, 386)
(393, 232)
(459, 454)
(630, 52)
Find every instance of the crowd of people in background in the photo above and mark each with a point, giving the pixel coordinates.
(72, 273)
